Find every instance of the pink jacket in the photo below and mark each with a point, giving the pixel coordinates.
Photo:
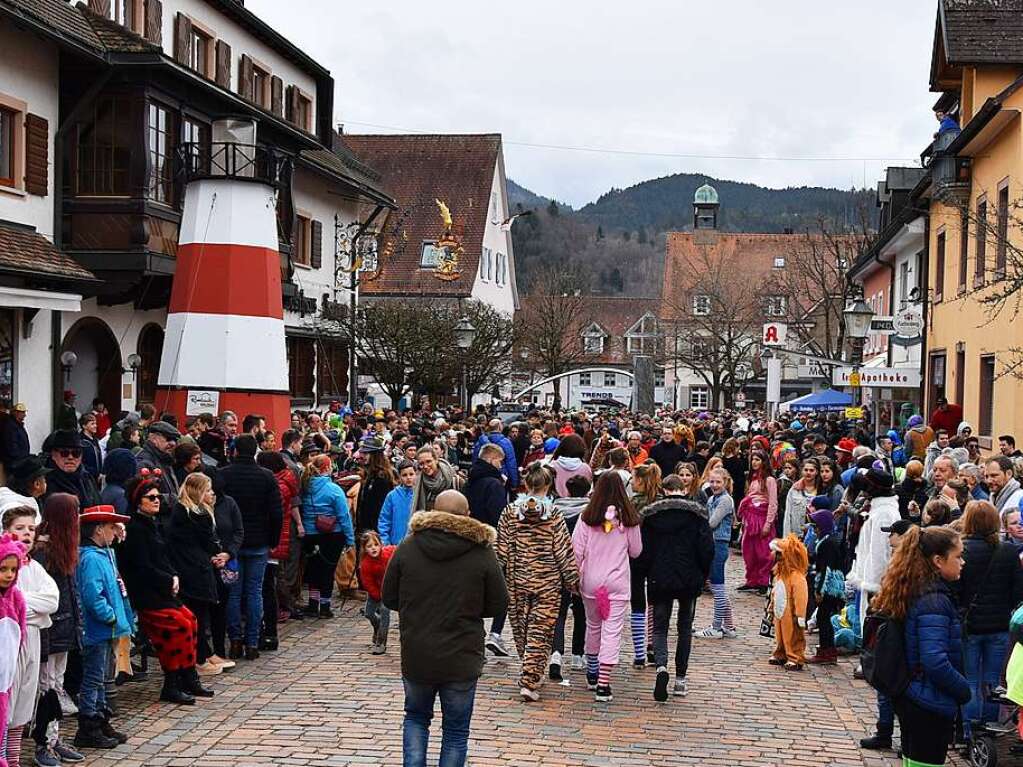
(603, 558)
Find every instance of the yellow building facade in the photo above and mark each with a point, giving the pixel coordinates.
(973, 238)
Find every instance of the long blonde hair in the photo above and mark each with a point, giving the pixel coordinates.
(192, 491)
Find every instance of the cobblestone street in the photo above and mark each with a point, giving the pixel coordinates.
(324, 700)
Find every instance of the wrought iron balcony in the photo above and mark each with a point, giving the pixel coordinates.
(950, 173)
(226, 159)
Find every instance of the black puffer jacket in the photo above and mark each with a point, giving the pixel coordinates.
(444, 579)
(486, 493)
(993, 577)
(258, 496)
(65, 632)
(191, 544)
(678, 547)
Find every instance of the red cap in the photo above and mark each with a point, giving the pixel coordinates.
(846, 444)
(100, 514)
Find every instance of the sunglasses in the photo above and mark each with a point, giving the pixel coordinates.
(72, 453)
(151, 497)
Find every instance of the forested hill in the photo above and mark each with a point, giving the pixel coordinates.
(618, 240)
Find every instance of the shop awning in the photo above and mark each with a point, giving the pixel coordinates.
(826, 399)
(24, 298)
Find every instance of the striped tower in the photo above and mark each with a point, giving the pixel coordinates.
(224, 339)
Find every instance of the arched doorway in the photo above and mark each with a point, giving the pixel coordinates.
(150, 348)
(97, 373)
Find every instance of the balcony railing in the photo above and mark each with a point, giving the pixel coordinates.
(245, 162)
(949, 172)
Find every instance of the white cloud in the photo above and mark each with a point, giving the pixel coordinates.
(731, 77)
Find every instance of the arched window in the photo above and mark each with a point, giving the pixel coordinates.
(150, 349)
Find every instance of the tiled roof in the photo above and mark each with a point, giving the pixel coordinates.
(417, 170)
(341, 161)
(615, 316)
(58, 16)
(982, 31)
(25, 251)
(115, 37)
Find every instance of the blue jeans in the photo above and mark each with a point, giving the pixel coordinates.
(456, 701)
(983, 660)
(885, 714)
(717, 568)
(249, 586)
(92, 696)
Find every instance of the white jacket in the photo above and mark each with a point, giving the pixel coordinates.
(873, 549)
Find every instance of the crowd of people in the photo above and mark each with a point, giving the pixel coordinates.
(193, 542)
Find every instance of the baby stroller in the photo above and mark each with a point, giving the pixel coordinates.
(982, 745)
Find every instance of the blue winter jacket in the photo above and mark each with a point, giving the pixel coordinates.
(395, 515)
(509, 466)
(105, 612)
(324, 496)
(934, 652)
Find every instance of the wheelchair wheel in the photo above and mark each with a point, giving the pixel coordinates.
(983, 751)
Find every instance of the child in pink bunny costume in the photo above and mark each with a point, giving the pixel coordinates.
(12, 623)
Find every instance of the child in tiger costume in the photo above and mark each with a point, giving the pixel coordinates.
(535, 552)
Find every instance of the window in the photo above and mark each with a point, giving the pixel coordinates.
(960, 372)
(161, 149)
(303, 241)
(301, 364)
(593, 342)
(8, 122)
(8, 350)
(700, 348)
(987, 394)
(936, 379)
(775, 306)
(486, 264)
(202, 52)
(904, 282)
(495, 213)
(129, 13)
(658, 378)
(779, 262)
(431, 256)
(964, 250)
(105, 140)
(150, 348)
(939, 267)
(261, 85)
(331, 369)
(304, 112)
(1003, 229)
(981, 235)
(698, 397)
(501, 276)
(609, 379)
(641, 344)
(584, 379)
(701, 305)
(197, 136)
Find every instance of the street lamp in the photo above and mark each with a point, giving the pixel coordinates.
(858, 315)
(68, 360)
(465, 334)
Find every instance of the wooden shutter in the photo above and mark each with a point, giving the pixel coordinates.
(183, 39)
(277, 96)
(223, 64)
(316, 245)
(289, 103)
(153, 31)
(37, 155)
(100, 7)
(245, 77)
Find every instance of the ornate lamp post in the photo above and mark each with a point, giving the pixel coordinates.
(465, 334)
(858, 315)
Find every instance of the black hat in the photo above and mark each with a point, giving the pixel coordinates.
(900, 526)
(879, 482)
(65, 439)
(164, 429)
(29, 469)
(310, 448)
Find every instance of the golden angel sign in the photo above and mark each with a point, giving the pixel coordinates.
(449, 248)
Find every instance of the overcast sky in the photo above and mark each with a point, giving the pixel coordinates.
(715, 79)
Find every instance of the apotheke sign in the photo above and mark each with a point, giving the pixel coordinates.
(879, 378)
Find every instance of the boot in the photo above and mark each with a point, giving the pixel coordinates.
(268, 643)
(236, 649)
(172, 692)
(109, 731)
(325, 611)
(313, 608)
(90, 734)
(190, 683)
(879, 741)
(824, 656)
(251, 653)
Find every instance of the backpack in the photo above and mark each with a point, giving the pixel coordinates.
(883, 657)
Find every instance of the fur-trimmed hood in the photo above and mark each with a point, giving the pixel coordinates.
(441, 535)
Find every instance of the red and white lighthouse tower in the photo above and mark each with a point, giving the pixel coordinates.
(224, 346)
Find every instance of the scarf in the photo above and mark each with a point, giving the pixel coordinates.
(1006, 492)
(428, 488)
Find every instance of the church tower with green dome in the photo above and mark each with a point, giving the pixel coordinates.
(705, 208)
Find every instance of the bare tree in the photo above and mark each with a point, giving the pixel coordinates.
(551, 323)
(488, 361)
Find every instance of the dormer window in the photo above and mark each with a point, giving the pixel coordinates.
(701, 305)
(775, 306)
(641, 338)
(779, 262)
(431, 256)
(593, 340)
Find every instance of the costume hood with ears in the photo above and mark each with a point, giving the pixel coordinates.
(793, 557)
(12, 621)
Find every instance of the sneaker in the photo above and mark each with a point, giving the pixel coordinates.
(578, 662)
(639, 663)
(297, 614)
(496, 646)
(661, 685)
(529, 696)
(876, 742)
(591, 682)
(209, 669)
(710, 633)
(67, 706)
(555, 667)
(44, 758)
(224, 664)
(325, 611)
(378, 649)
(603, 694)
(730, 633)
(679, 689)
(66, 754)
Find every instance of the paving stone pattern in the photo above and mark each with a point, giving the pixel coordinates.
(324, 701)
